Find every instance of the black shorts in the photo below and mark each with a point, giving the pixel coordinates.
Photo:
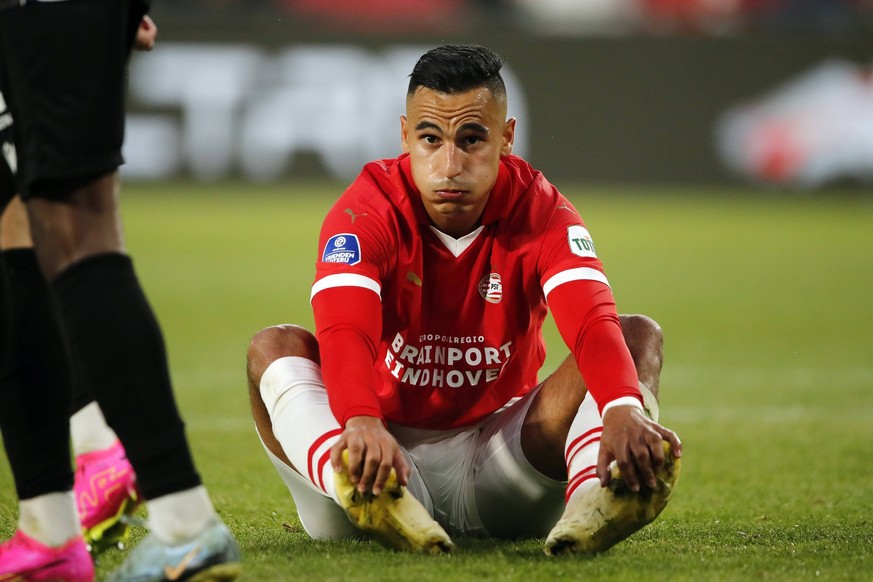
(63, 77)
(7, 154)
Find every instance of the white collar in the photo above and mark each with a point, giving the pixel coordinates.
(457, 246)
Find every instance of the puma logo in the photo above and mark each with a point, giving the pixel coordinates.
(351, 213)
(410, 276)
(561, 207)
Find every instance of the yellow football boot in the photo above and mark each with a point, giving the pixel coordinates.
(394, 518)
(601, 517)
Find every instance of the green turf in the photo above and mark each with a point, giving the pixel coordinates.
(766, 300)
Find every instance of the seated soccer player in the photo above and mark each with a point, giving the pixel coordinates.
(414, 412)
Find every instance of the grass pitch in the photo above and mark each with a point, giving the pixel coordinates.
(765, 300)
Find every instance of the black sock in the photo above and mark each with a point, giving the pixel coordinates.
(118, 350)
(35, 381)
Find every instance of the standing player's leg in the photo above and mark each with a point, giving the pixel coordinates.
(77, 51)
(34, 400)
(297, 428)
(34, 405)
(104, 485)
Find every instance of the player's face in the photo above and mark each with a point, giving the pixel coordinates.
(454, 142)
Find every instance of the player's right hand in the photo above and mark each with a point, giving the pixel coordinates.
(373, 452)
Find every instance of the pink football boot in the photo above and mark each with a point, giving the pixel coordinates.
(24, 558)
(105, 488)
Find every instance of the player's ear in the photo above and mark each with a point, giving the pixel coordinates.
(404, 134)
(508, 137)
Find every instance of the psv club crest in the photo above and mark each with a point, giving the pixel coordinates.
(491, 288)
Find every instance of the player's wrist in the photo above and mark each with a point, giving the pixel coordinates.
(364, 421)
(622, 401)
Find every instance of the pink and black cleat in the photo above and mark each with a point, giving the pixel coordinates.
(106, 494)
(22, 558)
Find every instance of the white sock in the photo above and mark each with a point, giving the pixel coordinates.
(89, 431)
(50, 519)
(583, 446)
(295, 397)
(179, 517)
(650, 403)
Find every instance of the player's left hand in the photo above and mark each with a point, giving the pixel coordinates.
(146, 34)
(633, 441)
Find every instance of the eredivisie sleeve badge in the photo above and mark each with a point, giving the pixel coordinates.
(342, 248)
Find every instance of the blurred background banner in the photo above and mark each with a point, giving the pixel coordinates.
(217, 109)
(605, 91)
(813, 130)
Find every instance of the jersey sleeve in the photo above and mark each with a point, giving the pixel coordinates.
(348, 326)
(354, 254)
(585, 314)
(583, 306)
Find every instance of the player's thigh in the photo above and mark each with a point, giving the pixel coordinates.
(14, 226)
(512, 498)
(65, 70)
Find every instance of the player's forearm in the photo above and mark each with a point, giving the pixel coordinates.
(348, 325)
(349, 375)
(584, 312)
(606, 364)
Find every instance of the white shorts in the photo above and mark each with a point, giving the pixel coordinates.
(473, 481)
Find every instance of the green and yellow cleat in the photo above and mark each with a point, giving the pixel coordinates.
(603, 516)
(115, 530)
(394, 518)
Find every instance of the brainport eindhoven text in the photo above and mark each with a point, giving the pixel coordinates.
(435, 365)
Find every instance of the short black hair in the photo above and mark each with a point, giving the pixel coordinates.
(458, 68)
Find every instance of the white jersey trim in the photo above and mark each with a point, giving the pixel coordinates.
(346, 280)
(457, 246)
(578, 274)
(622, 401)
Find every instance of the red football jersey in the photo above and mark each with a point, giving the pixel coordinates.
(428, 331)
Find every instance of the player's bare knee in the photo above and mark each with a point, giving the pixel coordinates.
(645, 341)
(643, 336)
(278, 341)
